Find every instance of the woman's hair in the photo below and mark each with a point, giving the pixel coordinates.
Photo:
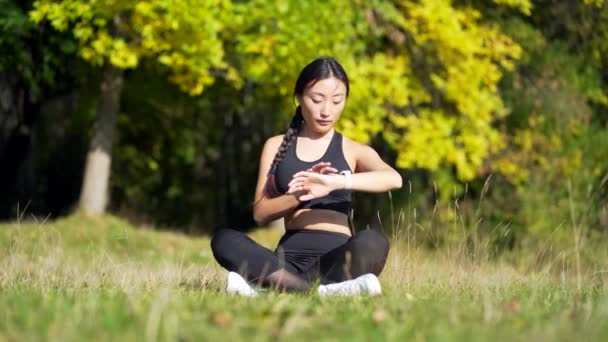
(319, 69)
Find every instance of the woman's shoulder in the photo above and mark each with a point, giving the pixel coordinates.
(274, 142)
(353, 146)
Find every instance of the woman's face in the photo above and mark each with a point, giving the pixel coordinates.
(322, 103)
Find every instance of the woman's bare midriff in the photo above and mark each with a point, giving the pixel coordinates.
(318, 219)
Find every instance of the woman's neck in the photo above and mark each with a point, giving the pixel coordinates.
(307, 133)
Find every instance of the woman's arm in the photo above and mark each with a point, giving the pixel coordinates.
(267, 209)
(372, 174)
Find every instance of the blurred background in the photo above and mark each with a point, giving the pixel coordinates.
(495, 112)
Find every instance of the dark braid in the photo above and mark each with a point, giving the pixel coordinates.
(288, 138)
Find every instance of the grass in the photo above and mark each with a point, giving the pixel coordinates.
(86, 278)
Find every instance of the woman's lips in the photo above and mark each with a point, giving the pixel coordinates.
(324, 122)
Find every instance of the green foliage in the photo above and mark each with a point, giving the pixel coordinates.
(181, 35)
(597, 3)
(434, 96)
(546, 184)
(448, 108)
(14, 27)
(170, 146)
(556, 158)
(450, 91)
(412, 112)
(525, 6)
(34, 58)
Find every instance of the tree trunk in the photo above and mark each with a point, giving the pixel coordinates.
(94, 192)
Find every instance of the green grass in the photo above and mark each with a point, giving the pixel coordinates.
(87, 278)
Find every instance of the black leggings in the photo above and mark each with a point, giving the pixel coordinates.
(302, 257)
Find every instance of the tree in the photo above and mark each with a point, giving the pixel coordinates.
(389, 63)
(424, 73)
(435, 97)
(36, 73)
(179, 35)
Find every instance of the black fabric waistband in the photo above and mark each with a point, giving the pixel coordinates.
(310, 232)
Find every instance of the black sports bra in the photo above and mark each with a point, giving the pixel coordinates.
(337, 200)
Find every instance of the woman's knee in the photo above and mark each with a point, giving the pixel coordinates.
(372, 241)
(369, 252)
(222, 239)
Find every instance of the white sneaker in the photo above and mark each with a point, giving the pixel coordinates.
(365, 284)
(237, 285)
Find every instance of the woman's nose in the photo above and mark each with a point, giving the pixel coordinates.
(325, 110)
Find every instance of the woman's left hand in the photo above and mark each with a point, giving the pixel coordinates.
(323, 168)
(314, 185)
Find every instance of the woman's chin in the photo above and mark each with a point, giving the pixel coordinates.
(322, 129)
(318, 129)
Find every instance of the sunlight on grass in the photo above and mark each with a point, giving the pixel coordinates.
(102, 278)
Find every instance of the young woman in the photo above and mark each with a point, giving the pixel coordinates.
(307, 176)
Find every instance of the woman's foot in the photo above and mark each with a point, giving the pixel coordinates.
(367, 284)
(237, 285)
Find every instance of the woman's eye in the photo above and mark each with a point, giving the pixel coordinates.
(316, 101)
(338, 102)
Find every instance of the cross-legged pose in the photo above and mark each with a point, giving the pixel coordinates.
(307, 177)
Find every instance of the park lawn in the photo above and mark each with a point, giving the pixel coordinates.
(85, 278)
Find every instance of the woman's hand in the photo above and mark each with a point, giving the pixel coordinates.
(307, 185)
(297, 189)
(323, 168)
